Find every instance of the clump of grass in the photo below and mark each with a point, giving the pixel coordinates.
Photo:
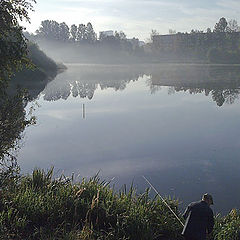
(41, 207)
(227, 227)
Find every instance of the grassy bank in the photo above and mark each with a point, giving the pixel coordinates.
(40, 207)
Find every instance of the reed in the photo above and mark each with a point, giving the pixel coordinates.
(38, 206)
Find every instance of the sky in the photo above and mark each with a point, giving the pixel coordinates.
(136, 17)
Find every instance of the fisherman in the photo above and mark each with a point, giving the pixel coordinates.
(199, 219)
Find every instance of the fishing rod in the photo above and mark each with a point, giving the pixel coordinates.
(163, 200)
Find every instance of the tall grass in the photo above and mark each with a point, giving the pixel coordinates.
(41, 207)
(38, 206)
(227, 227)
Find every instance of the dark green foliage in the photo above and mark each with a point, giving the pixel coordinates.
(13, 44)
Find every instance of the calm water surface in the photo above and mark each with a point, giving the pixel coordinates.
(176, 124)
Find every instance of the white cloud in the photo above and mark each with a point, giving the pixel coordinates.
(230, 4)
(136, 17)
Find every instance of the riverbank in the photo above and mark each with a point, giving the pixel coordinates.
(38, 206)
(35, 77)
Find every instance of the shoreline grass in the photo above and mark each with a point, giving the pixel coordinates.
(37, 206)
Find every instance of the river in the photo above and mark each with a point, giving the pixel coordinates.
(176, 124)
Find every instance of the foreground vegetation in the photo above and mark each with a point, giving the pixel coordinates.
(38, 206)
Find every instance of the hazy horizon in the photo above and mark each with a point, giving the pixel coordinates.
(135, 18)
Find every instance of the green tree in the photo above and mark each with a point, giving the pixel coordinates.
(209, 30)
(233, 35)
(13, 44)
(153, 33)
(73, 32)
(81, 33)
(64, 33)
(49, 29)
(233, 26)
(90, 34)
(220, 30)
(122, 35)
(221, 26)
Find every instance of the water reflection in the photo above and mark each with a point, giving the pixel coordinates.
(220, 82)
(83, 80)
(13, 121)
(14, 118)
(179, 141)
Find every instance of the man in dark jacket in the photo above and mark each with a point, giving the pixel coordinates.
(199, 219)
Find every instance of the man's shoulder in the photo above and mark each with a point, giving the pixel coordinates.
(192, 204)
(200, 205)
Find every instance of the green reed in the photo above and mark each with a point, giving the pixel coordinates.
(41, 207)
(38, 206)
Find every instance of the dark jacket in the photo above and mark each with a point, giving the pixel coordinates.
(199, 220)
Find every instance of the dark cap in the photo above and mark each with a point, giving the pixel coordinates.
(207, 197)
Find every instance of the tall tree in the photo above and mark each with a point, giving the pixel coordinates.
(220, 30)
(81, 33)
(153, 33)
(171, 31)
(122, 35)
(73, 32)
(233, 26)
(221, 26)
(90, 34)
(49, 29)
(233, 34)
(13, 44)
(64, 33)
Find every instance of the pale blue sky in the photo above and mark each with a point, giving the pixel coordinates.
(136, 17)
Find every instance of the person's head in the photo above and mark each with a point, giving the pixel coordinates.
(207, 198)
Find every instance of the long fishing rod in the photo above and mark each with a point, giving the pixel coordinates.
(163, 200)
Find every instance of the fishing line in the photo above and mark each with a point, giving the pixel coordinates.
(163, 200)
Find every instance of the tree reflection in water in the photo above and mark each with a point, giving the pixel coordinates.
(83, 81)
(222, 83)
(13, 121)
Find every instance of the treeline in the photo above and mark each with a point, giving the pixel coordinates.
(83, 34)
(222, 44)
(53, 30)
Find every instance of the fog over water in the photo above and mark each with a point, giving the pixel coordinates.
(176, 124)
